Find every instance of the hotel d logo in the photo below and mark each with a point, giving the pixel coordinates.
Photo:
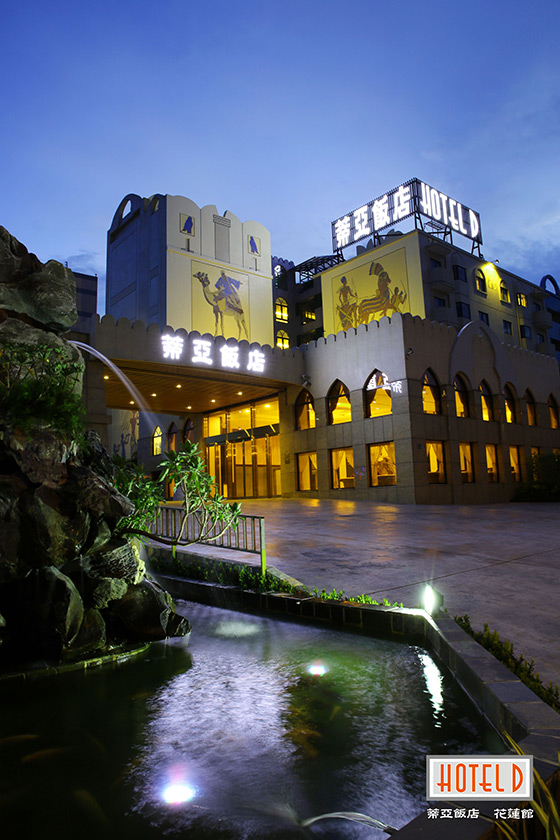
(455, 777)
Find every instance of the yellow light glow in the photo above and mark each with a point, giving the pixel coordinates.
(240, 393)
(189, 407)
(131, 402)
(212, 400)
(105, 377)
(178, 386)
(154, 395)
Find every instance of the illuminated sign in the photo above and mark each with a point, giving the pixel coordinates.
(414, 197)
(381, 380)
(479, 777)
(202, 353)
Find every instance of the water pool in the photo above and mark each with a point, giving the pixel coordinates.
(237, 727)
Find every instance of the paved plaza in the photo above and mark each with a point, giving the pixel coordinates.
(500, 564)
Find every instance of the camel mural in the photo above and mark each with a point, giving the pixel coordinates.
(224, 300)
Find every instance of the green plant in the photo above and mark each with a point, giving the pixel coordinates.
(521, 667)
(543, 804)
(212, 515)
(39, 388)
(144, 492)
(543, 484)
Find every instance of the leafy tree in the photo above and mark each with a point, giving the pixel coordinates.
(39, 388)
(205, 514)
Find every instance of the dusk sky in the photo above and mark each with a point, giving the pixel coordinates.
(288, 113)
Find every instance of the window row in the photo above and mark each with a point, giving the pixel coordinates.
(172, 440)
(382, 467)
(378, 402)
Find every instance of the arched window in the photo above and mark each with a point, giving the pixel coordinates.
(553, 412)
(305, 411)
(282, 339)
(504, 293)
(338, 404)
(377, 395)
(509, 404)
(480, 281)
(486, 402)
(461, 397)
(431, 400)
(157, 438)
(187, 429)
(531, 409)
(173, 438)
(281, 310)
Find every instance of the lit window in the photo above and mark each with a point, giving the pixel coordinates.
(486, 402)
(553, 412)
(509, 404)
(338, 402)
(525, 331)
(377, 395)
(305, 411)
(382, 465)
(492, 463)
(436, 463)
(281, 310)
(157, 438)
(531, 409)
(282, 339)
(342, 468)
(431, 403)
(466, 460)
(309, 315)
(173, 438)
(504, 293)
(507, 327)
(480, 281)
(521, 299)
(514, 463)
(307, 470)
(461, 397)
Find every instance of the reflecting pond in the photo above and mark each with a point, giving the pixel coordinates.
(258, 720)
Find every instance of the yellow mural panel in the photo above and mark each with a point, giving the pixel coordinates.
(220, 301)
(365, 290)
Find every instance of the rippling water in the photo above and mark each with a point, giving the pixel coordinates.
(256, 721)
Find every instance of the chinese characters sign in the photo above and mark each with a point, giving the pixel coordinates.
(204, 352)
(413, 197)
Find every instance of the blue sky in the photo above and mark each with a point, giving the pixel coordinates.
(288, 113)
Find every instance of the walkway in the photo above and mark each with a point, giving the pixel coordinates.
(500, 564)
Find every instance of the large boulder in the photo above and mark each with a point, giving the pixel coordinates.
(44, 294)
(117, 559)
(55, 527)
(51, 610)
(146, 612)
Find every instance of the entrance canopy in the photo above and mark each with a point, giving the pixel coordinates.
(187, 371)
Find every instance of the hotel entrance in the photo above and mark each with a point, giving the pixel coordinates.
(243, 450)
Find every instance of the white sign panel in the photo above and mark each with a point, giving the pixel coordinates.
(413, 197)
(454, 777)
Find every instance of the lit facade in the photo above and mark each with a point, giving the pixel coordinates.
(413, 372)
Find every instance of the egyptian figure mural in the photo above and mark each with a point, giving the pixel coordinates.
(369, 291)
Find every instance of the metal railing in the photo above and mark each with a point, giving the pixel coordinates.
(247, 535)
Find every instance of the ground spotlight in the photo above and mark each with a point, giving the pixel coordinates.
(432, 600)
(177, 793)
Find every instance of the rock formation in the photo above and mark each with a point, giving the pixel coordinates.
(68, 585)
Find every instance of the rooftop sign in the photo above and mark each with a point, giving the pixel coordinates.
(413, 197)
